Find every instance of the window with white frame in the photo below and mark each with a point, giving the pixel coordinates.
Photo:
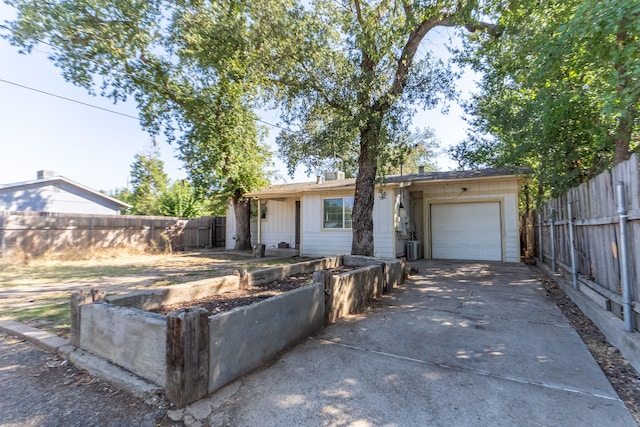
(336, 212)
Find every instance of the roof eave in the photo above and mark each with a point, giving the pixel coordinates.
(276, 193)
(518, 177)
(313, 188)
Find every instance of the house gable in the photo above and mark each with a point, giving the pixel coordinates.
(57, 194)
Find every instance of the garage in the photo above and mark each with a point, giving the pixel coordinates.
(466, 231)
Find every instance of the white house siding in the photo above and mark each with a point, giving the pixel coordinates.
(400, 240)
(230, 228)
(55, 198)
(317, 241)
(384, 219)
(504, 192)
(278, 226)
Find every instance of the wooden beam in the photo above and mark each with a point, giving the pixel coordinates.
(187, 356)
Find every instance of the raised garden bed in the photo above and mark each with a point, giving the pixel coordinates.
(219, 303)
(194, 338)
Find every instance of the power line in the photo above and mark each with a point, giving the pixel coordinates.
(97, 107)
(271, 124)
(68, 99)
(84, 103)
(100, 108)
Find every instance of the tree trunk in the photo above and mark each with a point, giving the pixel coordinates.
(242, 211)
(362, 215)
(623, 136)
(626, 82)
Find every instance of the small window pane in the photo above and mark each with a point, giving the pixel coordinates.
(332, 213)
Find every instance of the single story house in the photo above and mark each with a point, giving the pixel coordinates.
(52, 193)
(464, 215)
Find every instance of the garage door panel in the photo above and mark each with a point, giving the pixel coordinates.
(468, 231)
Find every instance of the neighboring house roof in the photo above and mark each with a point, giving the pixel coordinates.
(41, 182)
(288, 190)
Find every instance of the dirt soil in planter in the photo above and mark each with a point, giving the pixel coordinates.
(227, 301)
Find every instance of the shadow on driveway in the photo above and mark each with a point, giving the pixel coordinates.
(458, 344)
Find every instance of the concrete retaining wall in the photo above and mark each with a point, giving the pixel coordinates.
(353, 290)
(246, 337)
(175, 294)
(239, 340)
(130, 338)
(393, 270)
(267, 275)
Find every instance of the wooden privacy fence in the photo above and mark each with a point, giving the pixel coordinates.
(580, 234)
(205, 232)
(37, 233)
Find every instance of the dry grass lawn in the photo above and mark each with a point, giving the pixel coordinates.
(37, 292)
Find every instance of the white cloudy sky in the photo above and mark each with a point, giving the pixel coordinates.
(95, 147)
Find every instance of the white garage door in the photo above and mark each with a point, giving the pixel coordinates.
(466, 231)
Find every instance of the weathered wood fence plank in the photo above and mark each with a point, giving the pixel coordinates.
(597, 231)
(38, 233)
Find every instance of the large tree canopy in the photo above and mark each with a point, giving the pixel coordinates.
(560, 90)
(349, 76)
(193, 85)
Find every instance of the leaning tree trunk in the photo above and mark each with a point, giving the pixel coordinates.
(623, 136)
(362, 215)
(624, 39)
(242, 211)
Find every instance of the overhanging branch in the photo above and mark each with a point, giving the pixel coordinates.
(416, 37)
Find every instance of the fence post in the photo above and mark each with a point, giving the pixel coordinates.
(574, 273)
(90, 233)
(552, 237)
(540, 248)
(623, 258)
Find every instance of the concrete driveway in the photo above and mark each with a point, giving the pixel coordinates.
(459, 344)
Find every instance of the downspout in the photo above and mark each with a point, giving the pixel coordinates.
(624, 263)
